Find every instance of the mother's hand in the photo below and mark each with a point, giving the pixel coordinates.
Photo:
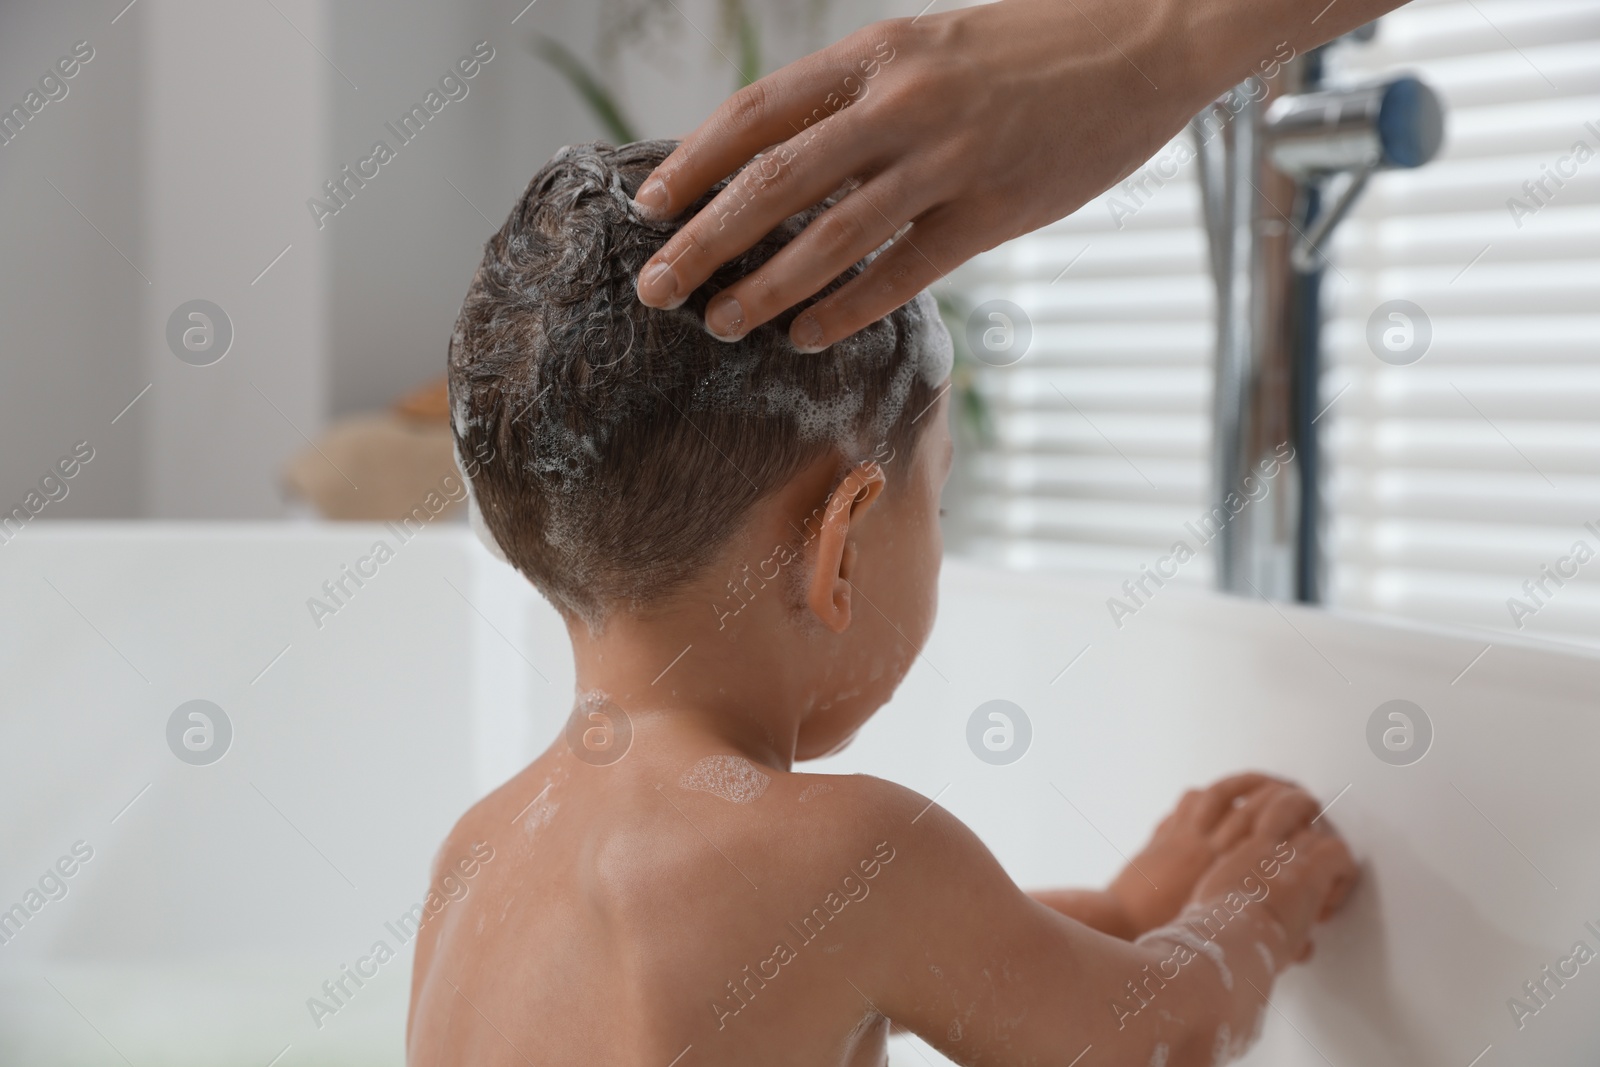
(970, 128)
(975, 126)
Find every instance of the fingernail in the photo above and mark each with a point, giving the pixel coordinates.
(652, 198)
(725, 319)
(806, 335)
(658, 285)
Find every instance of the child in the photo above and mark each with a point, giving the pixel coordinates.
(744, 543)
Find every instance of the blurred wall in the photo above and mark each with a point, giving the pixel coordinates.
(69, 301)
(403, 251)
(233, 96)
(179, 166)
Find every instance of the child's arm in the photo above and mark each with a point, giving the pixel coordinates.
(1159, 880)
(987, 975)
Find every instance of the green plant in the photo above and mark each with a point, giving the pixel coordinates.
(601, 101)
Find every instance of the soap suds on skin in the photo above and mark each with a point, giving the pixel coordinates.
(732, 778)
(816, 789)
(1209, 949)
(539, 813)
(1266, 957)
(1158, 1058)
(1222, 1047)
(543, 807)
(1214, 953)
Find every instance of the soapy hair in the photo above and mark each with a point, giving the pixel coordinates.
(625, 443)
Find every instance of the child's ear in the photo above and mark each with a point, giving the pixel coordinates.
(828, 591)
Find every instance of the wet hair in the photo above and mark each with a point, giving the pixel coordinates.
(615, 448)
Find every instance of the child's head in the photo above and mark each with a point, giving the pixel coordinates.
(617, 451)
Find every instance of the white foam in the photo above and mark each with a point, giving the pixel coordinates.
(1222, 1047)
(732, 778)
(538, 814)
(817, 420)
(816, 789)
(1158, 1056)
(936, 356)
(1266, 957)
(474, 515)
(1214, 953)
(459, 418)
(1209, 949)
(1243, 1042)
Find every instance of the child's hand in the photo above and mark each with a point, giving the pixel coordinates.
(1306, 869)
(1206, 823)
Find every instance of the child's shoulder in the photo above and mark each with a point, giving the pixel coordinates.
(841, 821)
(653, 826)
(845, 800)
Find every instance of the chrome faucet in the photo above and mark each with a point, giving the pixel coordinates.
(1282, 159)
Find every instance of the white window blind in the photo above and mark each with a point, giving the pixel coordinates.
(1450, 482)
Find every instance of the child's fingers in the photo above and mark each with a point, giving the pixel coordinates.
(1216, 801)
(1334, 856)
(1331, 870)
(1287, 809)
(1241, 821)
(1337, 895)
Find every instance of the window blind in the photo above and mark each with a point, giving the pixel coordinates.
(1458, 488)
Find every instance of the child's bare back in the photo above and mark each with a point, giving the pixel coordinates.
(744, 542)
(691, 906)
(629, 917)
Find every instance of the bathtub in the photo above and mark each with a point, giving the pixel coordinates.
(218, 897)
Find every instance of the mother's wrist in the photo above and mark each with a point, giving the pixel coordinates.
(1216, 44)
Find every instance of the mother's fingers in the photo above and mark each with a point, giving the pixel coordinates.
(807, 118)
(929, 250)
(788, 178)
(835, 240)
(763, 113)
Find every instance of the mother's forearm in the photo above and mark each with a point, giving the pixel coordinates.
(1218, 43)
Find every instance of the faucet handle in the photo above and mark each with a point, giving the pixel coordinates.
(1395, 123)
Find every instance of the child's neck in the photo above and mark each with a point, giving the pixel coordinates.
(674, 674)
